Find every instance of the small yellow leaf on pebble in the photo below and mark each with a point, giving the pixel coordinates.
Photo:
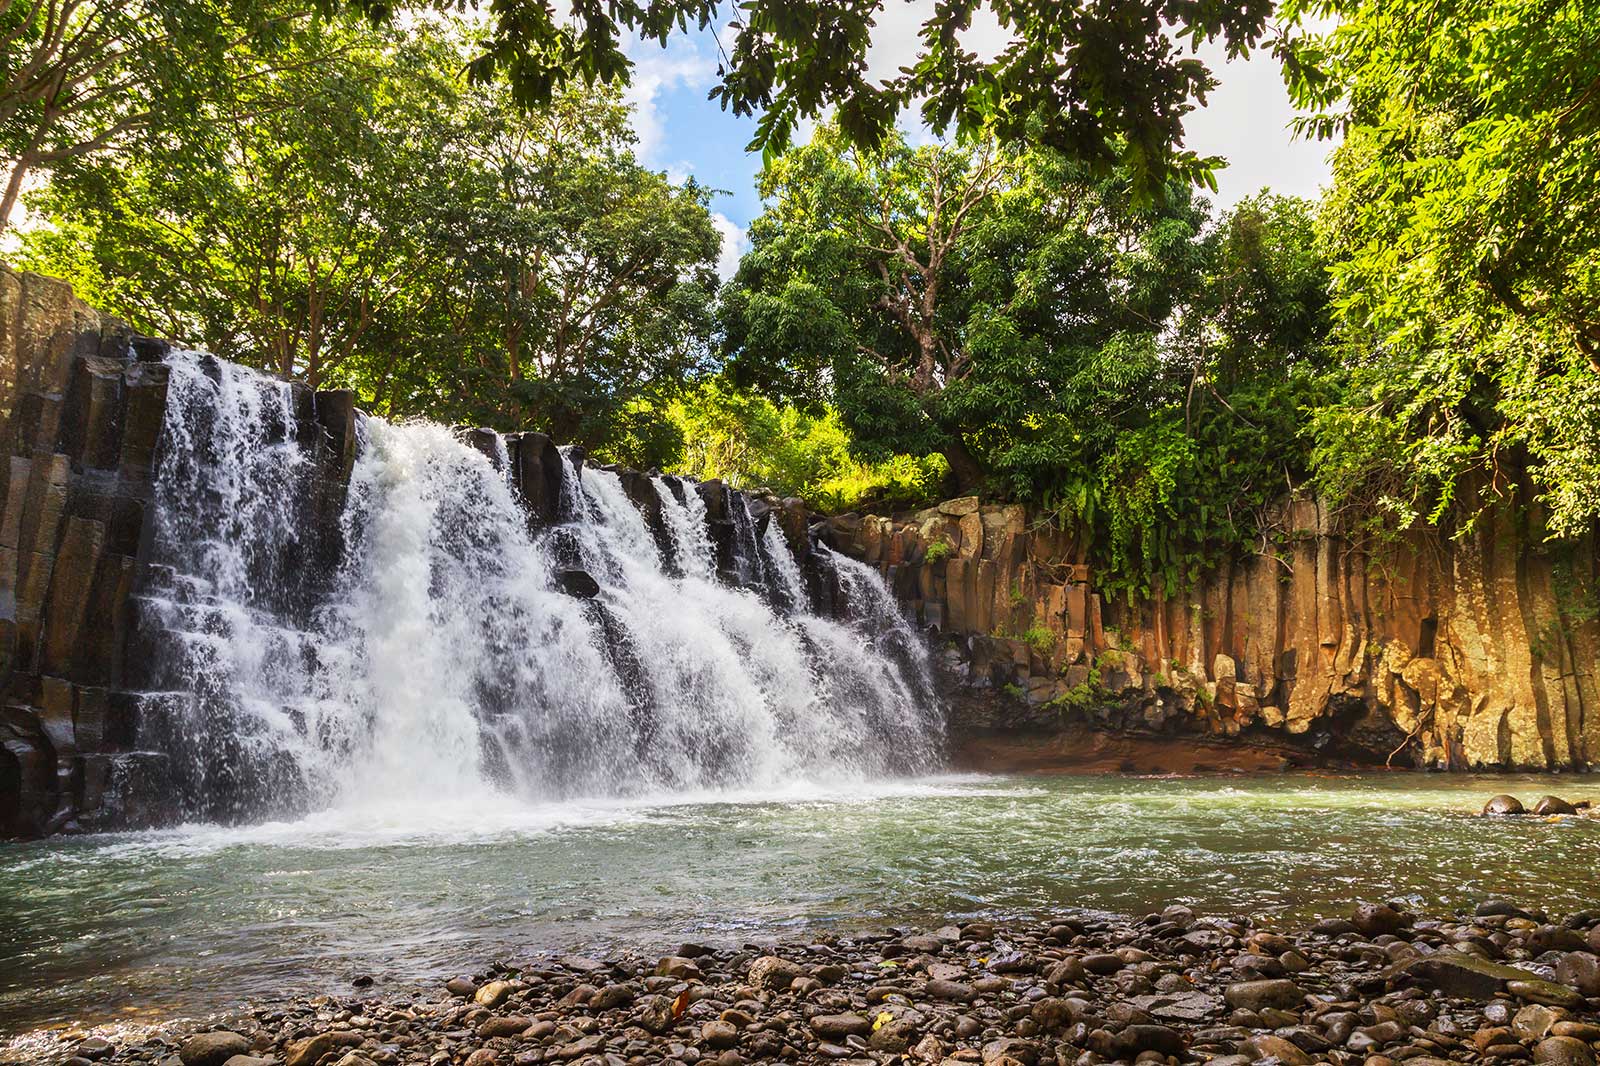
(884, 1018)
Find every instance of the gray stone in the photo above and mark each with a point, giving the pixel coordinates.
(1259, 995)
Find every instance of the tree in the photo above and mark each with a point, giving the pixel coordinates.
(1465, 222)
(83, 78)
(1132, 366)
(400, 232)
(1104, 81)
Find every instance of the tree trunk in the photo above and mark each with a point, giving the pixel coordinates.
(966, 476)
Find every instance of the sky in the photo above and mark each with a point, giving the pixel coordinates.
(681, 132)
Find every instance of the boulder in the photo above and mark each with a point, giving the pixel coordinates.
(309, 1052)
(1456, 974)
(769, 971)
(1377, 919)
(1260, 995)
(212, 1049)
(1503, 804)
(1563, 1051)
(579, 583)
(1549, 805)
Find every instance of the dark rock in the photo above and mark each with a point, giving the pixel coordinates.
(1549, 805)
(94, 1048)
(1504, 804)
(578, 583)
(953, 991)
(1377, 919)
(1455, 974)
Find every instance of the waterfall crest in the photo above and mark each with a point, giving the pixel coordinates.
(426, 642)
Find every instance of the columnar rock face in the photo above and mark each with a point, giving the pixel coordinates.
(82, 407)
(1481, 652)
(82, 416)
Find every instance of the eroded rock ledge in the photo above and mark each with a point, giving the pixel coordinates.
(1477, 653)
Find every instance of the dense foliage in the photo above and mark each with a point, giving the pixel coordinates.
(1464, 222)
(1040, 307)
(375, 222)
(1130, 365)
(1102, 80)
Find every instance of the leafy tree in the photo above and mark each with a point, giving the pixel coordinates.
(1466, 235)
(1133, 366)
(80, 79)
(1105, 81)
(423, 241)
(750, 442)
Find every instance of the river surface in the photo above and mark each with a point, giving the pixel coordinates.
(199, 919)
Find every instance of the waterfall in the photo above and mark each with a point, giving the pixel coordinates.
(414, 645)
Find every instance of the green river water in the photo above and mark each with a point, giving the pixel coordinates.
(200, 919)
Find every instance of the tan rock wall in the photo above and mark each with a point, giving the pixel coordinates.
(1479, 652)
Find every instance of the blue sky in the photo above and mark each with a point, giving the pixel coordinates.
(683, 133)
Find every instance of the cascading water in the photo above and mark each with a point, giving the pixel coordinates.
(436, 656)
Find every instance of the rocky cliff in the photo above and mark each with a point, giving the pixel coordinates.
(1477, 653)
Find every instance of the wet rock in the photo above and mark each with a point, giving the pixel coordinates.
(1503, 804)
(1258, 995)
(654, 1014)
(1549, 805)
(250, 1060)
(461, 986)
(1377, 919)
(493, 994)
(309, 1052)
(94, 1048)
(679, 967)
(1500, 908)
(952, 991)
(1563, 1051)
(213, 1049)
(482, 1057)
(1457, 974)
(579, 583)
(1534, 990)
(1581, 970)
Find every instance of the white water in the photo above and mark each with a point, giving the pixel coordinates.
(435, 666)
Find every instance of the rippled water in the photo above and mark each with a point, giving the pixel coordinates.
(196, 920)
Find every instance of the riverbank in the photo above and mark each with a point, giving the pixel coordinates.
(1379, 986)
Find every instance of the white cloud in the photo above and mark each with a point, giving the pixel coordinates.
(682, 64)
(734, 245)
(1246, 121)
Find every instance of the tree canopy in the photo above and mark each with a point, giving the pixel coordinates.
(1464, 225)
(1137, 367)
(1104, 81)
(422, 240)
